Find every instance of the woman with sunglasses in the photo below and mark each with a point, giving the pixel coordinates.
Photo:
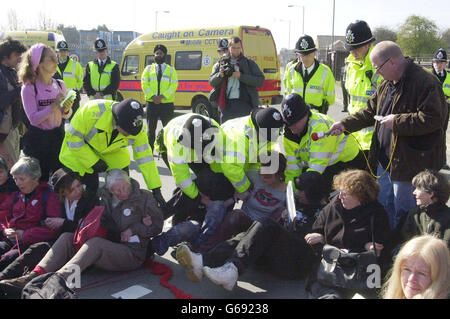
(42, 97)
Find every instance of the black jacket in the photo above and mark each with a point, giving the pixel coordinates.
(84, 206)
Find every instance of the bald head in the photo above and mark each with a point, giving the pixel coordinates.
(388, 60)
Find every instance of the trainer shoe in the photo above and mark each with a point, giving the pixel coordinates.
(192, 262)
(226, 275)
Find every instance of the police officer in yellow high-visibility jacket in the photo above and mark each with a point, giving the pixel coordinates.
(102, 78)
(328, 155)
(251, 137)
(362, 80)
(98, 138)
(195, 142)
(159, 82)
(310, 79)
(70, 71)
(287, 71)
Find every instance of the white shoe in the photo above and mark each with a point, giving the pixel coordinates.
(226, 276)
(192, 262)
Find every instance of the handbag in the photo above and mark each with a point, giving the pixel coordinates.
(89, 227)
(341, 269)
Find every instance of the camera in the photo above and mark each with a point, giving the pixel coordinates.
(228, 68)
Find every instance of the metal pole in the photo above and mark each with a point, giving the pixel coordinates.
(289, 42)
(332, 32)
(303, 28)
(156, 20)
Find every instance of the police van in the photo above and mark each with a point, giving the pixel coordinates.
(193, 54)
(50, 38)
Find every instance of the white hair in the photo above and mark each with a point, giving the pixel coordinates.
(116, 175)
(27, 166)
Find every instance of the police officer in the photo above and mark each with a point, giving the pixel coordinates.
(361, 78)
(102, 78)
(328, 155)
(312, 80)
(97, 141)
(250, 138)
(194, 142)
(70, 71)
(159, 82)
(439, 63)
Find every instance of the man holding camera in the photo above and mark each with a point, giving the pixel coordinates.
(234, 80)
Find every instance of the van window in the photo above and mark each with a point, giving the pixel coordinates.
(130, 65)
(188, 60)
(149, 59)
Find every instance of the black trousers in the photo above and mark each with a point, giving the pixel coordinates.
(234, 108)
(29, 259)
(45, 146)
(268, 245)
(155, 112)
(7, 253)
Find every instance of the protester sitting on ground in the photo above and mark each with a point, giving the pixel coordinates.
(131, 217)
(22, 214)
(267, 199)
(421, 270)
(7, 185)
(279, 250)
(432, 215)
(42, 97)
(346, 224)
(75, 203)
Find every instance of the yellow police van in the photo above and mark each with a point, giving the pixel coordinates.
(50, 38)
(193, 54)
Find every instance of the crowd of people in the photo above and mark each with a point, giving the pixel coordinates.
(368, 184)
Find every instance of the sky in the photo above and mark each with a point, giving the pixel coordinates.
(139, 15)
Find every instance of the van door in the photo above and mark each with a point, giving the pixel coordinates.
(130, 80)
(259, 45)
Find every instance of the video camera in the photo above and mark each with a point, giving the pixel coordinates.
(228, 68)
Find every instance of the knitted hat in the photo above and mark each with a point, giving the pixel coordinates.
(294, 109)
(305, 45)
(129, 115)
(357, 35)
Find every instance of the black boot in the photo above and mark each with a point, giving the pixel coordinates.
(12, 288)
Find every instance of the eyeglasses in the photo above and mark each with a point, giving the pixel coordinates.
(378, 68)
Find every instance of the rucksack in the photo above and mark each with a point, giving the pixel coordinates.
(51, 285)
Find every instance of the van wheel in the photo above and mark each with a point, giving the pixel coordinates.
(202, 106)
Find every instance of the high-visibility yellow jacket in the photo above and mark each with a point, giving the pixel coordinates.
(179, 156)
(446, 87)
(168, 85)
(319, 88)
(243, 148)
(361, 83)
(88, 139)
(316, 155)
(286, 77)
(100, 81)
(73, 75)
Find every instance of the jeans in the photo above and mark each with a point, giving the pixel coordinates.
(396, 197)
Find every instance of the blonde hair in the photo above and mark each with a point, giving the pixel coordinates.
(436, 254)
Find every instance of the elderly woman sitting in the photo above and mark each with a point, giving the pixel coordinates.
(131, 217)
(22, 214)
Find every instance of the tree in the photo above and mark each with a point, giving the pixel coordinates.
(13, 21)
(70, 33)
(418, 36)
(446, 38)
(384, 34)
(45, 22)
(102, 28)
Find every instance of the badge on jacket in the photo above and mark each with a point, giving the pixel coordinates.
(127, 212)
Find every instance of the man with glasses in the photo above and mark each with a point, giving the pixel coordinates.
(304, 152)
(361, 78)
(409, 134)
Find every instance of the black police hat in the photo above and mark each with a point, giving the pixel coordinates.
(62, 46)
(305, 45)
(267, 118)
(129, 115)
(357, 35)
(223, 45)
(440, 56)
(160, 47)
(294, 109)
(100, 45)
(191, 125)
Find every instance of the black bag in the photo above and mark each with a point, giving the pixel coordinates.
(48, 286)
(340, 269)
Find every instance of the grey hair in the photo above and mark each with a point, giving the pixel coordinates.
(27, 166)
(116, 175)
